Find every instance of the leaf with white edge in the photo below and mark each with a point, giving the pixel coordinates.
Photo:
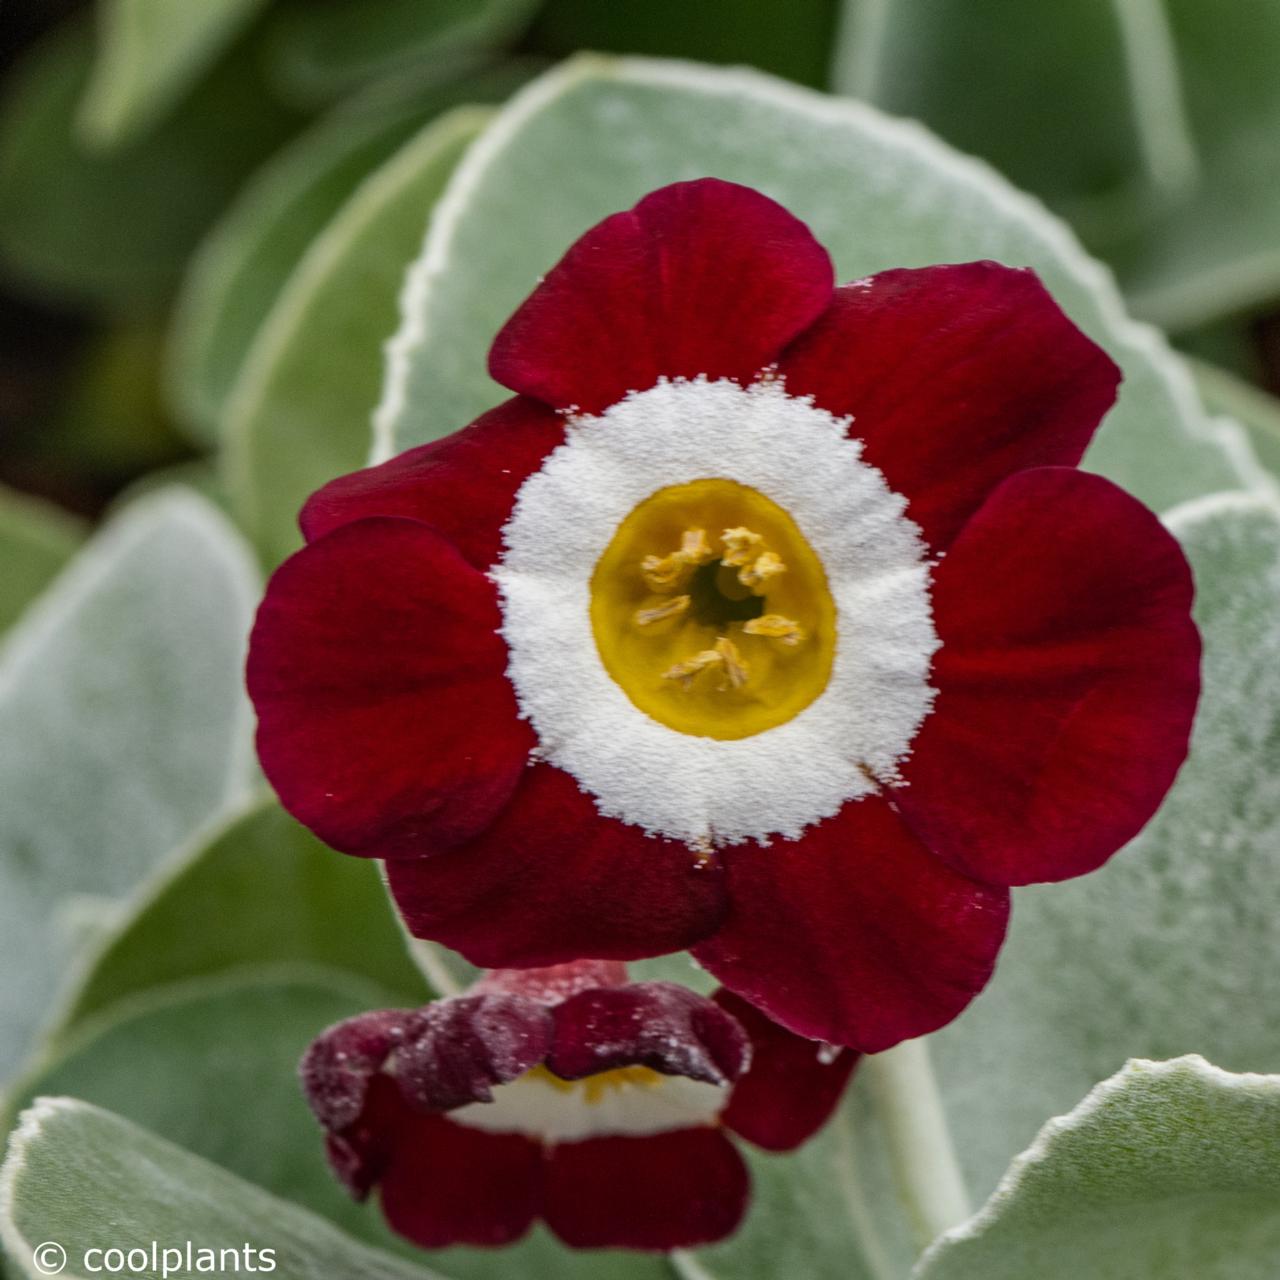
(877, 192)
(1172, 947)
(300, 411)
(123, 729)
(36, 540)
(324, 51)
(243, 264)
(211, 1064)
(83, 1178)
(258, 890)
(1166, 1171)
(87, 225)
(1256, 410)
(149, 53)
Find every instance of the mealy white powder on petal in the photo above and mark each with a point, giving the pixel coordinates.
(702, 789)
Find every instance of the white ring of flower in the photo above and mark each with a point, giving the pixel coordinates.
(538, 1109)
(707, 790)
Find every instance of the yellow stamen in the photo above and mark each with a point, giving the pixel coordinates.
(647, 617)
(745, 551)
(666, 573)
(735, 665)
(756, 575)
(595, 1088)
(725, 654)
(741, 546)
(775, 627)
(686, 671)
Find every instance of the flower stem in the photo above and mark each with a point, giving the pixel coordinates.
(874, 1253)
(909, 1107)
(430, 960)
(687, 1267)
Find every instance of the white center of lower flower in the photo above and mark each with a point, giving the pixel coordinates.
(709, 790)
(632, 1101)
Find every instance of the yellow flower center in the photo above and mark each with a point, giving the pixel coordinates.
(595, 1088)
(712, 612)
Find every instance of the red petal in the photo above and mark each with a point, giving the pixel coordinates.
(450, 1184)
(457, 1049)
(1068, 678)
(552, 880)
(793, 1084)
(385, 719)
(360, 1152)
(700, 277)
(660, 1025)
(339, 1064)
(664, 1191)
(463, 486)
(855, 934)
(956, 377)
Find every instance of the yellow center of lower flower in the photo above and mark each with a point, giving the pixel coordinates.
(712, 611)
(595, 1088)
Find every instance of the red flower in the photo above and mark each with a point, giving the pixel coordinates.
(769, 619)
(570, 1095)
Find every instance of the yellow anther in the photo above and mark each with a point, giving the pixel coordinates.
(725, 655)
(666, 573)
(741, 546)
(756, 575)
(674, 606)
(686, 671)
(595, 1088)
(745, 551)
(735, 666)
(775, 627)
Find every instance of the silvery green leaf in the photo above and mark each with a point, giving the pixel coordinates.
(82, 1178)
(211, 1064)
(123, 729)
(258, 890)
(1256, 410)
(1166, 1171)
